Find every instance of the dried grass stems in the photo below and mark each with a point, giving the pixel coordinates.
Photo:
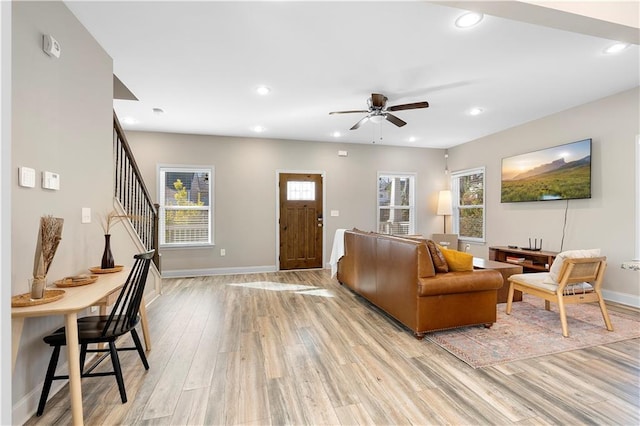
(112, 219)
(48, 240)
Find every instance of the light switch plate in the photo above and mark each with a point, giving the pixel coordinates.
(335, 212)
(86, 215)
(27, 177)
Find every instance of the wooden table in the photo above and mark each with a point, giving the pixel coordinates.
(506, 269)
(75, 300)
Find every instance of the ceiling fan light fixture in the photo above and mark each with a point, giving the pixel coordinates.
(377, 119)
(469, 19)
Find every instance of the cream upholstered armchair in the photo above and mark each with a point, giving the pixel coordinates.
(570, 280)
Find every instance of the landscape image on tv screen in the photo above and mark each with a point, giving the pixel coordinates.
(559, 173)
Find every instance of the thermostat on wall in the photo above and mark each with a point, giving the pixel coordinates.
(50, 180)
(50, 45)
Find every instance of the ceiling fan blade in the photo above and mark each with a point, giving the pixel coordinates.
(395, 120)
(378, 100)
(414, 105)
(359, 123)
(349, 112)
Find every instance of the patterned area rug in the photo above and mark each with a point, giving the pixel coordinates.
(530, 332)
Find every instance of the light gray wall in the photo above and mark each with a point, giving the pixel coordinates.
(62, 122)
(605, 221)
(245, 190)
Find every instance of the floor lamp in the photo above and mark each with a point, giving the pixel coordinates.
(444, 206)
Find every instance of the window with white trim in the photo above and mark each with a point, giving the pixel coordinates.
(467, 197)
(186, 206)
(396, 211)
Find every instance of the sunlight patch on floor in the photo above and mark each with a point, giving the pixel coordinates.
(297, 288)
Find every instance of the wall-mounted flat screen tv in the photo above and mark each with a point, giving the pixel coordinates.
(562, 172)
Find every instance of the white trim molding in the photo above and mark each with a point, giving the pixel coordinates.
(185, 273)
(622, 298)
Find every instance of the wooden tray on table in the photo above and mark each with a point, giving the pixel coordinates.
(23, 300)
(76, 281)
(99, 270)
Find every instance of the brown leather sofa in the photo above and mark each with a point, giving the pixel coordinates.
(398, 276)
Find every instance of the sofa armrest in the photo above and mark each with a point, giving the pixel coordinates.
(460, 282)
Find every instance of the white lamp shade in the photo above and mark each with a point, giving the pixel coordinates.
(444, 203)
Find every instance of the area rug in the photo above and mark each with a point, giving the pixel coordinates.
(531, 331)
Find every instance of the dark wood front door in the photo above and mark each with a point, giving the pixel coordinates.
(300, 221)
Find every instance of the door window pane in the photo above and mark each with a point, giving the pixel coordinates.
(301, 191)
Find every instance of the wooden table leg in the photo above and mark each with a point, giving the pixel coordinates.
(145, 325)
(73, 356)
(16, 334)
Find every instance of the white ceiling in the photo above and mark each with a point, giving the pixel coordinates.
(201, 62)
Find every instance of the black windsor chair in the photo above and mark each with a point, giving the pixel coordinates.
(105, 329)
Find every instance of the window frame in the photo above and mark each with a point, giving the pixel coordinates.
(412, 197)
(162, 169)
(455, 201)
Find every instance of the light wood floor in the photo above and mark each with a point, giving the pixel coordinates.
(226, 354)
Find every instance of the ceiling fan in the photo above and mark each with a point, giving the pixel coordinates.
(378, 111)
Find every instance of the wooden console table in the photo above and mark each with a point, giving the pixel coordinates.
(531, 261)
(74, 301)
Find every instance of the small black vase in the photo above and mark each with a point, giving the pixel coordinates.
(107, 257)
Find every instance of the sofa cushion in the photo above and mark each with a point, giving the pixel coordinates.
(458, 261)
(556, 266)
(439, 262)
(460, 282)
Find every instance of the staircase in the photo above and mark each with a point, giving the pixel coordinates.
(131, 192)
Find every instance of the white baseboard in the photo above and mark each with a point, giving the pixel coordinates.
(183, 273)
(622, 298)
(26, 407)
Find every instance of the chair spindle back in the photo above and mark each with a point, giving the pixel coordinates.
(125, 310)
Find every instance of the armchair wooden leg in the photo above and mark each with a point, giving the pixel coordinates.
(563, 316)
(510, 298)
(605, 313)
(547, 305)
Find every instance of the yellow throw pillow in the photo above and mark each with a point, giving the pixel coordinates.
(457, 261)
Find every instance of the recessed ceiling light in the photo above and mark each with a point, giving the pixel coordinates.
(129, 120)
(476, 111)
(263, 90)
(412, 139)
(616, 48)
(259, 129)
(469, 19)
(336, 134)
